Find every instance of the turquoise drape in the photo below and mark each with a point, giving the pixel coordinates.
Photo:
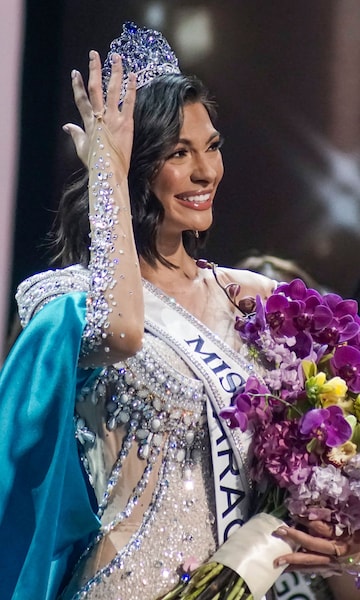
(45, 505)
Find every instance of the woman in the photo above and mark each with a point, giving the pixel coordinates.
(145, 402)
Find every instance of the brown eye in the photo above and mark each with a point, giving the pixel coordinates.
(178, 153)
(216, 145)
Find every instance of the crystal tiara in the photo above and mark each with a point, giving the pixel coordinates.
(144, 52)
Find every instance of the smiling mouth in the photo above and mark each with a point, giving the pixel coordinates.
(197, 200)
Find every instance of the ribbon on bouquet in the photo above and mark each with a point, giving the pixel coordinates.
(250, 552)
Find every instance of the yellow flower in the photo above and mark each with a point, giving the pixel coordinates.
(334, 392)
(314, 384)
(327, 393)
(340, 456)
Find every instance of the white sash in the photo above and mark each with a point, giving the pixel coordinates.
(222, 370)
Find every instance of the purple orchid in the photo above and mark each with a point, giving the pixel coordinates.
(346, 364)
(248, 404)
(294, 310)
(237, 414)
(344, 324)
(328, 425)
(250, 327)
(296, 290)
(280, 314)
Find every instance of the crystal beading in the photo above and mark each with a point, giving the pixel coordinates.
(136, 539)
(101, 266)
(150, 401)
(39, 289)
(160, 410)
(144, 52)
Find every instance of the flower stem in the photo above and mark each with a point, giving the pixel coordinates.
(223, 580)
(238, 590)
(213, 573)
(174, 593)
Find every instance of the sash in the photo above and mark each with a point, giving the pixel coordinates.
(222, 370)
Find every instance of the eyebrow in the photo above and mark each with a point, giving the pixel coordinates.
(188, 142)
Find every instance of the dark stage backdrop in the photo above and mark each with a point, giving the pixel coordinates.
(286, 76)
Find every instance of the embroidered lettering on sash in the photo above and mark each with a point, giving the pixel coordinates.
(239, 495)
(231, 465)
(232, 379)
(232, 505)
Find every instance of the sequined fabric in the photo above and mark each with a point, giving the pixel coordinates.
(157, 508)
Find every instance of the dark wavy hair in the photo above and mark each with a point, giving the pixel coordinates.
(158, 118)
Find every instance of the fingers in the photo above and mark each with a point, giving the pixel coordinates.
(319, 528)
(92, 103)
(311, 543)
(95, 83)
(115, 86)
(129, 99)
(115, 83)
(81, 98)
(80, 140)
(315, 551)
(305, 560)
(75, 132)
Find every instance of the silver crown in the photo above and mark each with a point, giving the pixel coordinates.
(144, 52)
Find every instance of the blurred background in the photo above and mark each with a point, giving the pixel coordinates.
(286, 77)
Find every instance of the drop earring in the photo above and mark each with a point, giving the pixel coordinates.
(196, 234)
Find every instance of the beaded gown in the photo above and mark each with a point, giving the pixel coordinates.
(142, 432)
(145, 445)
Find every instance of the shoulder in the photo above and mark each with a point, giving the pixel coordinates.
(39, 289)
(251, 284)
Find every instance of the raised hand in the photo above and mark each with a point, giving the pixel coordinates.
(92, 109)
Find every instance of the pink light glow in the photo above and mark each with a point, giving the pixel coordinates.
(11, 41)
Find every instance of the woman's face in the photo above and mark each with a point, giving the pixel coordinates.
(187, 181)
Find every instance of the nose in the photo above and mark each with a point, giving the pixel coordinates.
(204, 169)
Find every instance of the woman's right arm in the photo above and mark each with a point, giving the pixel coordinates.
(115, 313)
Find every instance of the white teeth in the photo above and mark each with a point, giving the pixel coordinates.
(198, 199)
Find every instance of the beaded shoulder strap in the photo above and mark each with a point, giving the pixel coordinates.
(36, 291)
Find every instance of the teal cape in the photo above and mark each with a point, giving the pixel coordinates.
(47, 510)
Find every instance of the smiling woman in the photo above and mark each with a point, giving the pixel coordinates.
(117, 477)
(187, 181)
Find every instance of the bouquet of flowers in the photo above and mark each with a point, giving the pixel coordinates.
(303, 408)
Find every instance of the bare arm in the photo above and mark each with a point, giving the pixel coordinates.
(115, 302)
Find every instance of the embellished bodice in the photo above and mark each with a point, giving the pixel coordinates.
(143, 433)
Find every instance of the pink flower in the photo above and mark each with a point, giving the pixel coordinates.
(190, 564)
